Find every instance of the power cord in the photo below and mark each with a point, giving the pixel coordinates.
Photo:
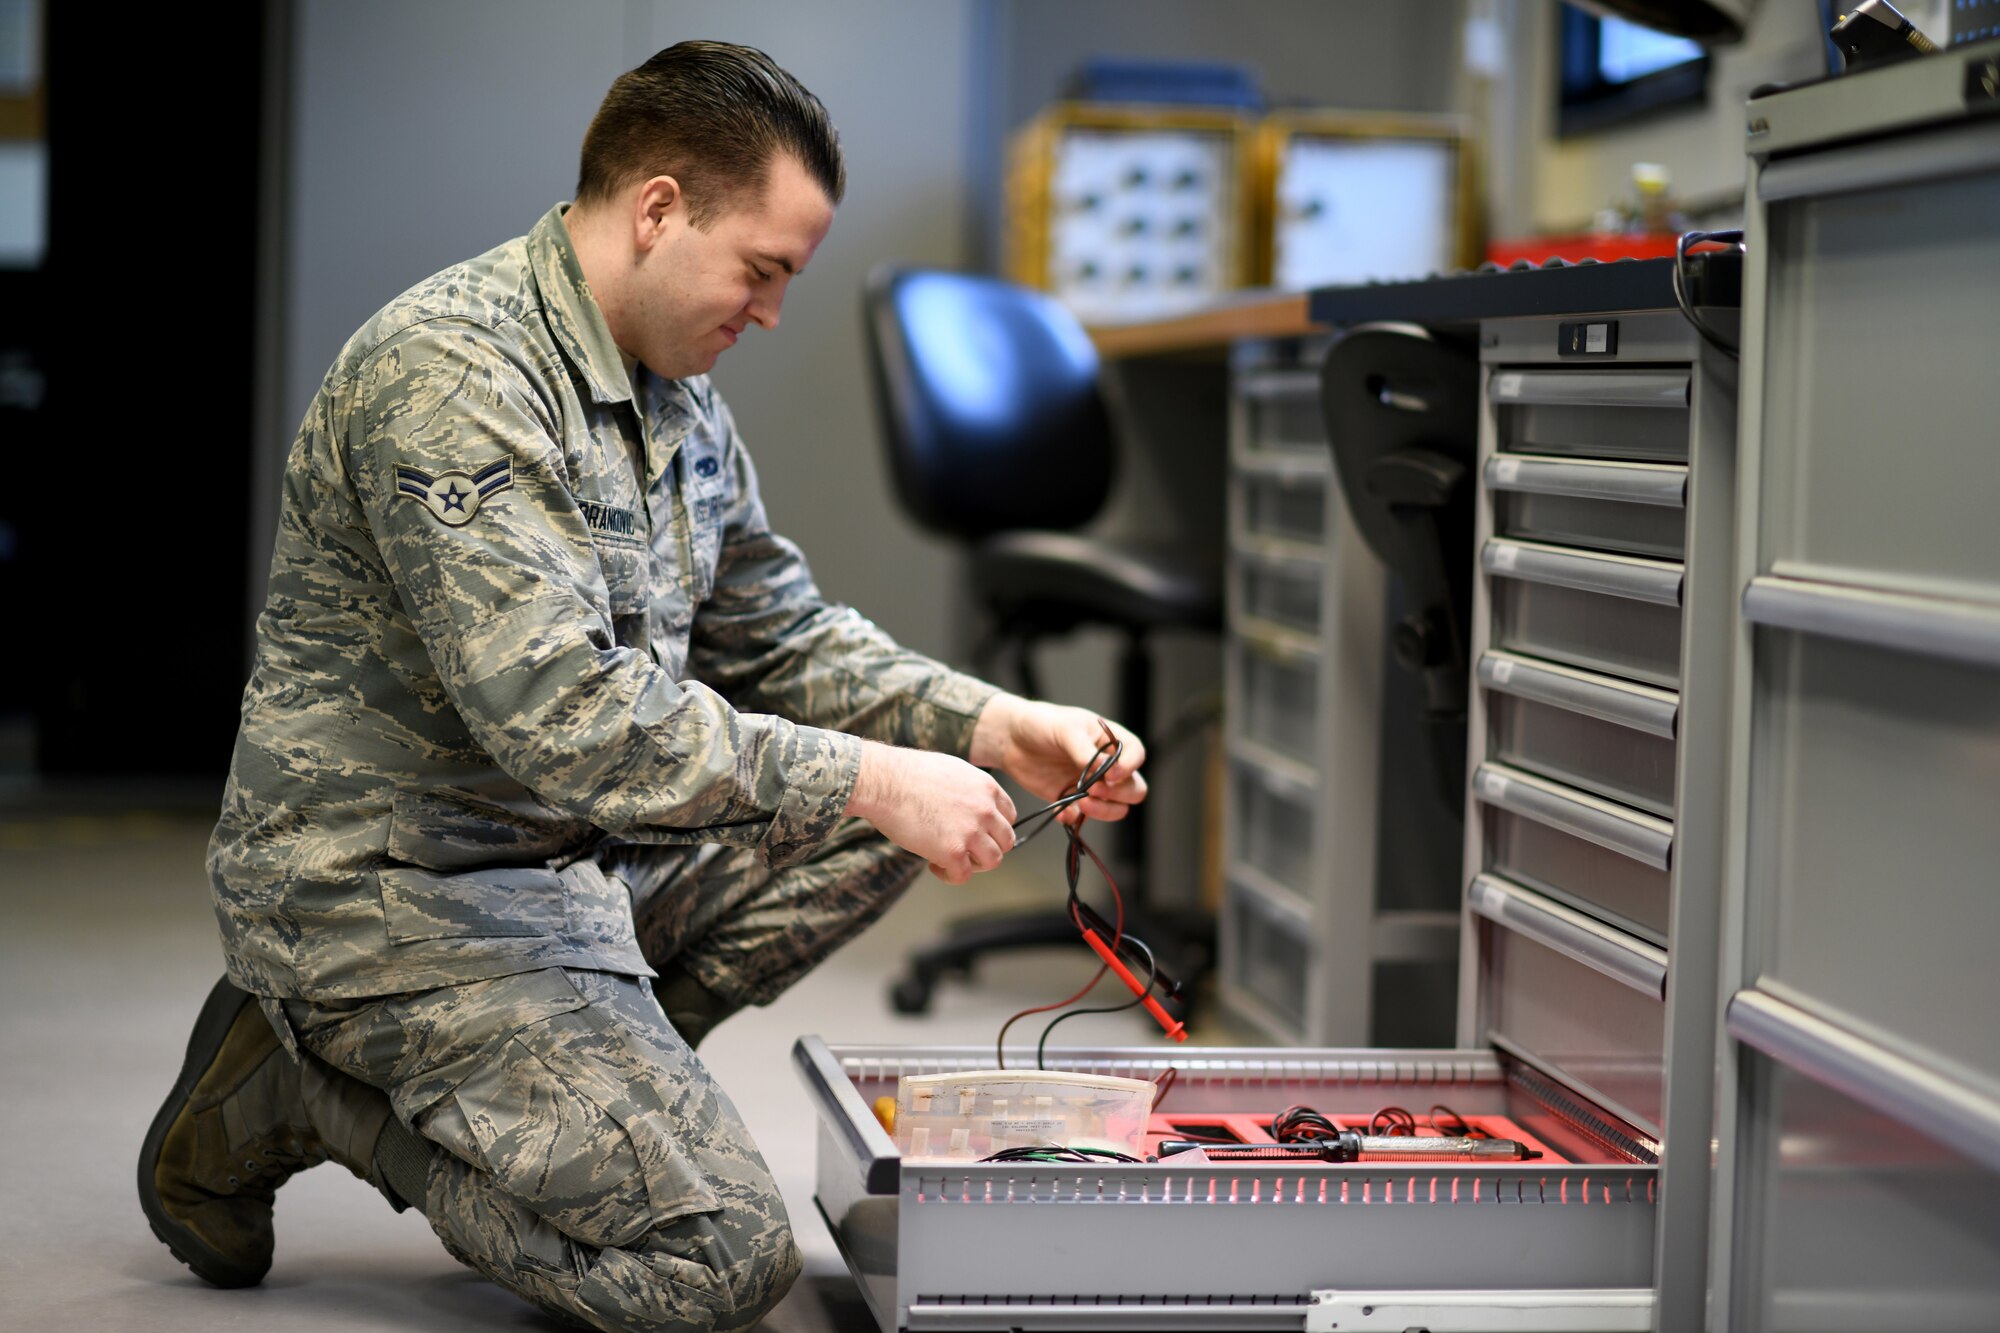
(1688, 239)
(1092, 927)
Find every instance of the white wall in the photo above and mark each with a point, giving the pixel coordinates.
(425, 133)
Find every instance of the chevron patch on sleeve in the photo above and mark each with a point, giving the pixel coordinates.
(454, 497)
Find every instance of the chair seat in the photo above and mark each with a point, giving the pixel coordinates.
(1059, 581)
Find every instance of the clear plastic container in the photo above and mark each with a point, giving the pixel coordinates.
(964, 1117)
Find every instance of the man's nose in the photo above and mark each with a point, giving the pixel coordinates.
(765, 309)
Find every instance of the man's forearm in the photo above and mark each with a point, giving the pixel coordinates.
(992, 731)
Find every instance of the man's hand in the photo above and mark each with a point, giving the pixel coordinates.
(938, 806)
(1045, 747)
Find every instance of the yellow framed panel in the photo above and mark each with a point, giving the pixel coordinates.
(1349, 197)
(1131, 211)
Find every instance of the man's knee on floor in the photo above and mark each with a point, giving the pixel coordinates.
(707, 1272)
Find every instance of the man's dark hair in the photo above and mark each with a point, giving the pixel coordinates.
(711, 115)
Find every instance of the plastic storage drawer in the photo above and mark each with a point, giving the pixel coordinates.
(1287, 505)
(1273, 825)
(1278, 590)
(1277, 700)
(1266, 938)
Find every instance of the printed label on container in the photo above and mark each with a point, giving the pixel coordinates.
(1034, 1126)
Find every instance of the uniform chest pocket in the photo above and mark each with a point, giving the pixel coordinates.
(624, 577)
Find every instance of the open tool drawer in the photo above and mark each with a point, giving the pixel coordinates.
(1251, 1245)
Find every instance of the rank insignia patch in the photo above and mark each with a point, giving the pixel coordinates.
(455, 496)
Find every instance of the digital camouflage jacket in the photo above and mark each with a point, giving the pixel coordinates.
(489, 641)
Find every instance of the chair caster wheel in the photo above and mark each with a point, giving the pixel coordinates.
(910, 995)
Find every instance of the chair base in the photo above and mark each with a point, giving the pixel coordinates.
(1182, 942)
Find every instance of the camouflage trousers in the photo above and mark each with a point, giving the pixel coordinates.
(591, 1165)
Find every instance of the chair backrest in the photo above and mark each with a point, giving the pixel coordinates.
(1402, 415)
(989, 402)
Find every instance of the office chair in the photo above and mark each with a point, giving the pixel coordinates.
(998, 437)
(1401, 406)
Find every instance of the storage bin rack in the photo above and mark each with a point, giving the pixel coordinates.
(1308, 941)
(1155, 1247)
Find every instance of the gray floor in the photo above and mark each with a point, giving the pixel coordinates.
(107, 950)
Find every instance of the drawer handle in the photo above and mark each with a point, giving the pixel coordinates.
(1961, 631)
(1639, 707)
(1590, 479)
(1571, 934)
(1644, 838)
(1657, 581)
(1587, 388)
(1904, 1089)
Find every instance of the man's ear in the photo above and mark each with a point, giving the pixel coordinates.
(659, 203)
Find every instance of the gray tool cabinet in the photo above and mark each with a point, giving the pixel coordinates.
(1604, 543)
(1859, 1172)
(1731, 854)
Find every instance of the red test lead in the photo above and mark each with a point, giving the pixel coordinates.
(1173, 1026)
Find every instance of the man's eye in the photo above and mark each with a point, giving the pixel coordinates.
(762, 276)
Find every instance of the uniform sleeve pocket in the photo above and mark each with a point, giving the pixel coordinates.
(419, 905)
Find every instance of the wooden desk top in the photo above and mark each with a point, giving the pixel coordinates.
(1256, 314)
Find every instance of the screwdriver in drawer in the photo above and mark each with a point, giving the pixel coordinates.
(1353, 1147)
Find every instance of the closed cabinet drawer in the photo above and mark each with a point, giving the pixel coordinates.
(1586, 875)
(1271, 826)
(1875, 835)
(1633, 508)
(1638, 415)
(1892, 473)
(1599, 1034)
(1613, 634)
(1603, 757)
(1612, 613)
(1861, 1222)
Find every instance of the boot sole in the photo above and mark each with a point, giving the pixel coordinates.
(211, 1026)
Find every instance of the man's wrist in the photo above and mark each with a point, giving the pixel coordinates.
(993, 731)
(872, 782)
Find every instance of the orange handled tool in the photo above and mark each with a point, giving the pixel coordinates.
(1173, 1026)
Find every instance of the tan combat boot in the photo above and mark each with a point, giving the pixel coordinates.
(233, 1129)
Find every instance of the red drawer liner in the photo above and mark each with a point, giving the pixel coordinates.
(1255, 1127)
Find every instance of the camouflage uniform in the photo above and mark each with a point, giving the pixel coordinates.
(532, 656)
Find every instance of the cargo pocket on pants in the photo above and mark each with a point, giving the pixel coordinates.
(573, 1127)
